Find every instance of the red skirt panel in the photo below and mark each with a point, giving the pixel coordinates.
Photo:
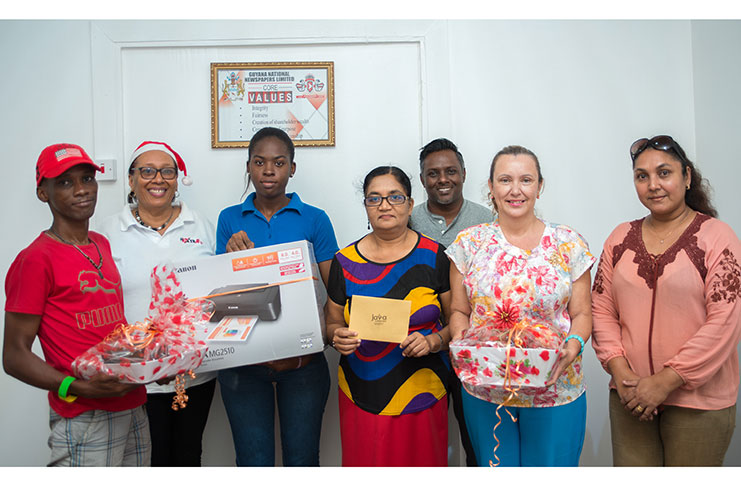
(415, 439)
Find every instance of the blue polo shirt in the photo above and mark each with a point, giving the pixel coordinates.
(296, 221)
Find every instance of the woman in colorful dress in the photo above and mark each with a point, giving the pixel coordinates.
(392, 399)
(300, 386)
(667, 318)
(522, 269)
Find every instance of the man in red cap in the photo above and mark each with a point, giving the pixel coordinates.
(64, 288)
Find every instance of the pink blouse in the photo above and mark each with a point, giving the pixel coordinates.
(680, 309)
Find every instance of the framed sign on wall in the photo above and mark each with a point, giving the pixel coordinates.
(297, 97)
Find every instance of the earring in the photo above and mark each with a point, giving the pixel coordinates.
(369, 224)
(493, 203)
(132, 197)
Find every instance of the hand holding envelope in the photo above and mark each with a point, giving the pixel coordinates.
(380, 319)
(345, 341)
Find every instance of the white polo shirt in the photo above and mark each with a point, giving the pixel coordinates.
(137, 250)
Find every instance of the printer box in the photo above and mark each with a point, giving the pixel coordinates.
(267, 303)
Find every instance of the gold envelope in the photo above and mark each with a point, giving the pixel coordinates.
(380, 319)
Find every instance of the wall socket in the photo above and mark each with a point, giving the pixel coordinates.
(110, 170)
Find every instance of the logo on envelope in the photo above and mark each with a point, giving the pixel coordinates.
(380, 319)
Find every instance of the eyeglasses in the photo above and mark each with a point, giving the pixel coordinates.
(664, 143)
(168, 173)
(393, 199)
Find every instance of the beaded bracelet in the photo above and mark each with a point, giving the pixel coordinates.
(578, 338)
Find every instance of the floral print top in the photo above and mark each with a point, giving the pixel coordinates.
(506, 283)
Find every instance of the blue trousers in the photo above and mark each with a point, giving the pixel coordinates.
(249, 394)
(544, 437)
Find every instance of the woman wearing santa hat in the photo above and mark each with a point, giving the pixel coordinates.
(155, 226)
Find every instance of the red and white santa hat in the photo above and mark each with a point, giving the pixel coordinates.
(162, 147)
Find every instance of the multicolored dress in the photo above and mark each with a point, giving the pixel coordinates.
(506, 283)
(393, 409)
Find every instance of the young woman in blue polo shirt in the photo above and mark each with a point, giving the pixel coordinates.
(269, 216)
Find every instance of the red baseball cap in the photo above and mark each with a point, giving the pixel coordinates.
(57, 158)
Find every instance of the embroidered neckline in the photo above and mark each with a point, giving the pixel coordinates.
(651, 267)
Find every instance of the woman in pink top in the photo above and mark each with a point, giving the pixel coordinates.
(666, 304)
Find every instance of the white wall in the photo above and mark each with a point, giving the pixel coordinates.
(717, 78)
(576, 92)
(44, 98)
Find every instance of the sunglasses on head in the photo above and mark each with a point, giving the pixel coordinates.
(664, 143)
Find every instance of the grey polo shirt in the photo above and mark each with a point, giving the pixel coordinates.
(434, 226)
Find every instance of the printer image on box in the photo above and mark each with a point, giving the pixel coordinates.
(263, 303)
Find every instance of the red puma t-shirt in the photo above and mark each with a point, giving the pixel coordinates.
(78, 308)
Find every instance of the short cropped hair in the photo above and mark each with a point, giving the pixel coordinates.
(438, 145)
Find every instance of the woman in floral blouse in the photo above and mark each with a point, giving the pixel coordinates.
(667, 318)
(522, 269)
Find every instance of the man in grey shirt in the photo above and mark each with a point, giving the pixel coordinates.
(442, 217)
(446, 212)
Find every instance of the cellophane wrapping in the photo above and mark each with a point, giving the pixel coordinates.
(521, 356)
(168, 343)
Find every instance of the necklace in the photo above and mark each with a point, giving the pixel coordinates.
(96, 265)
(158, 228)
(681, 222)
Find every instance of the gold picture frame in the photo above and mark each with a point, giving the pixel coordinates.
(297, 97)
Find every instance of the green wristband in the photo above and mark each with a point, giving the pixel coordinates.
(578, 338)
(64, 388)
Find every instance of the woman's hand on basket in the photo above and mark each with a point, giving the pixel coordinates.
(566, 355)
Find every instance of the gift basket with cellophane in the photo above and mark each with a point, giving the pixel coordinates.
(507, 351)
(168, 343)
